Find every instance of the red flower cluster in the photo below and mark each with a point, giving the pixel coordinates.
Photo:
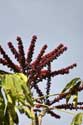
(35, 70)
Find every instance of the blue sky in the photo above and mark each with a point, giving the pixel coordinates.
(54, 22)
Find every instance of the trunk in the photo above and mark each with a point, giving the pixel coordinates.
(37, 120)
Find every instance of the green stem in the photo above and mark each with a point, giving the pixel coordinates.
(46, 96)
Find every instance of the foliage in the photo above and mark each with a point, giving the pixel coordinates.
(72, 86)
(18, 88)
(14, 95)
(77, 120)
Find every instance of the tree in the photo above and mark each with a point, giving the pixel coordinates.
(16, 86)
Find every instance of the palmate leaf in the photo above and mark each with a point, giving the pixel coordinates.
(77, 120)
(16, 91)
(12, 83)
(72, 86)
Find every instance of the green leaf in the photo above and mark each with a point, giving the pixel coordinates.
(77, 120)
(17, 85)
(6, 119)
(74, 89)
(28, 98)
(13, 113)
(70, 84)
(75, 99)
(29, 112)
(67, 98)
(16, 92)
(11, 122)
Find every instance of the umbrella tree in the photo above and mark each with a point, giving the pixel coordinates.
(16, 86)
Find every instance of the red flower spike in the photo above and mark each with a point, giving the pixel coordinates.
(8, 60)
(18, 38)
(31, 50)
(13, 50)
(52, 56)
(34, 37)
(38, 59)
(21, 54)
(53, 114)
